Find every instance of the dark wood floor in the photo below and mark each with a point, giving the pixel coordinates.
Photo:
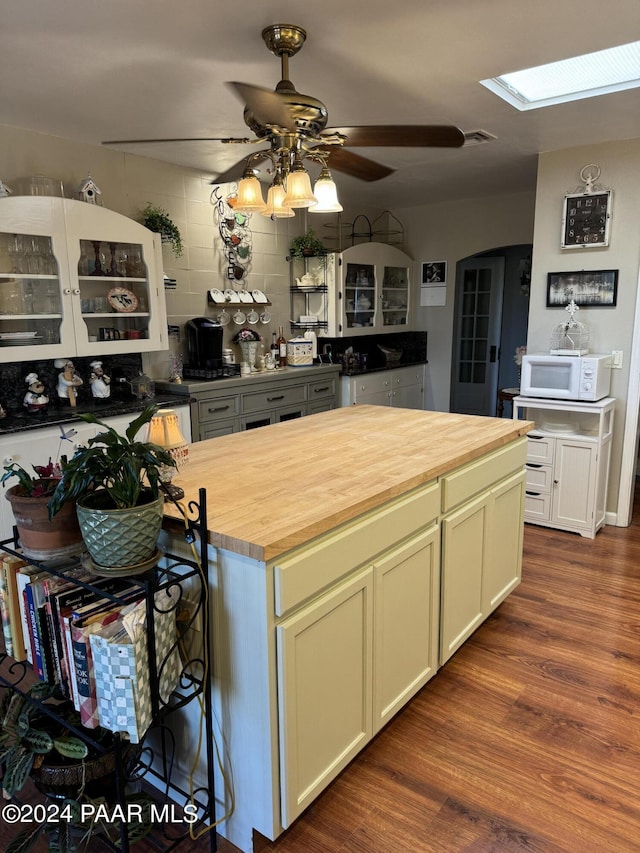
(527, 740)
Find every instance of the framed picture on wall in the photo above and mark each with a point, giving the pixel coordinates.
(595, 288)
(434, 272)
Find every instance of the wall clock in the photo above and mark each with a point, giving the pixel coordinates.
(587, 213)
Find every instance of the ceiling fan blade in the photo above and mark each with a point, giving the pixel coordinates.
(235, 172)
(401, 136)
(355, 165)
(266, 105)
(227, 139)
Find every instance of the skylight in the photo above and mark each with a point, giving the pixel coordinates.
(586, 76)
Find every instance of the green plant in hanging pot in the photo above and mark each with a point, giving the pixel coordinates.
(307, 245)
(157, 219)
(115, 481)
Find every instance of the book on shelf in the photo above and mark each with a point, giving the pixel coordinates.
(82, 604)
(122, 668)
(104, 621)
(4, 613)
(24, 575)
(11, 566)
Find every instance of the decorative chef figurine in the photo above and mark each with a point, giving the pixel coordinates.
(68, 380)
(35, 400)
(99, 381)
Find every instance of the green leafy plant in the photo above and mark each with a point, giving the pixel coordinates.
(119, 466)
(307, 245)
(157, 219)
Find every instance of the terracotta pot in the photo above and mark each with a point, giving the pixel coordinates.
(41, 538)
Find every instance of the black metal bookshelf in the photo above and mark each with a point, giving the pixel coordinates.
(154, 764)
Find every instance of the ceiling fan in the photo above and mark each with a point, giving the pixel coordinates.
(294, 125)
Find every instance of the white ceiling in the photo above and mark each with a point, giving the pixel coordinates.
(91, 70)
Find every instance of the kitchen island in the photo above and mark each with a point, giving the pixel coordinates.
(350, 554)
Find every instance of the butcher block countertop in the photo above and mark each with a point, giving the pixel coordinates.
(272, 489)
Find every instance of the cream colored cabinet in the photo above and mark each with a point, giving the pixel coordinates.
(481, 541)
(77, 279)
(407, 602)
(402, 387)
(374, 290)
(567, 463)
(312, 292)
(325, 667)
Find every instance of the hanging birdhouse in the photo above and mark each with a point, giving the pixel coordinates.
(89, 191)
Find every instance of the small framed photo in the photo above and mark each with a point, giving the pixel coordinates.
(434, 272)
(596, 288)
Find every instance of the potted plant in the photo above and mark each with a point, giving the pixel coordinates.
(157, 219)
(115, 482)
(41, 537)
(307, 245)
(62, 765)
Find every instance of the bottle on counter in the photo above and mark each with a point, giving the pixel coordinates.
(282, 348)
(275, 350)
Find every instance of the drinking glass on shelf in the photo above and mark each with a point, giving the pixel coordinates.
(16, 253)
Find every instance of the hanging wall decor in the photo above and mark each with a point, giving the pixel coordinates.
(236, 237)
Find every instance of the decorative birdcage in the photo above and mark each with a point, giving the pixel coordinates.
(570, 337)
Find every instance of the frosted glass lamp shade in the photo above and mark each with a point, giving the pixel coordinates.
(299, 192)
(249, 198)
(275, 206)
(327, 194)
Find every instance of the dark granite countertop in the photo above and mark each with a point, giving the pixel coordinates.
(21, 421)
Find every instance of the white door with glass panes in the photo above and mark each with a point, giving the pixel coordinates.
(476, 344)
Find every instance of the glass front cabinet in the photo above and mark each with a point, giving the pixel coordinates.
(373, 290)
(77, 279)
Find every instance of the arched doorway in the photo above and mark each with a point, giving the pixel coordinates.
(491, 315)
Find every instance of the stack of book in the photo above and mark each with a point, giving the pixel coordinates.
(54, 624)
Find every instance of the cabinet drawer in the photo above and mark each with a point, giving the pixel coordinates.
(407, 376)
(540, 448)
(371, 384)
(311, 569)
(537, 506)
(322, 388)
(477, 476)
(265, 401)
(218, 408)
(539, 477)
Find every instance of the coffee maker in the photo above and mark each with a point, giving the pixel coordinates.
(204, 343)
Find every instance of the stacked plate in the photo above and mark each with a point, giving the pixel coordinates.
(19, 337)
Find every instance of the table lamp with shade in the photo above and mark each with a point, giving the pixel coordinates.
(164, 430)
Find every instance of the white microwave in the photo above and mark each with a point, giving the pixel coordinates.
(586, 378)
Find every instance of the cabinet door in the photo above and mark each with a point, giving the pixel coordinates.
(464, 550)
(115, 280)
(407, 385)
(407, 604)
(35, 321)
(503, 568)
(324, 685)
(574, 483)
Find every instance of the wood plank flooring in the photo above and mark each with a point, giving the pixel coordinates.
(527, 740)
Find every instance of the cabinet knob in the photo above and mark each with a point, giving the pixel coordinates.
(8, 460)
(67, 291)
(76, 291)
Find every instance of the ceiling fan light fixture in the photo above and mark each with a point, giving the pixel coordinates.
(327, 194)
(299, 193)
(249, 198)
(275, 207)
